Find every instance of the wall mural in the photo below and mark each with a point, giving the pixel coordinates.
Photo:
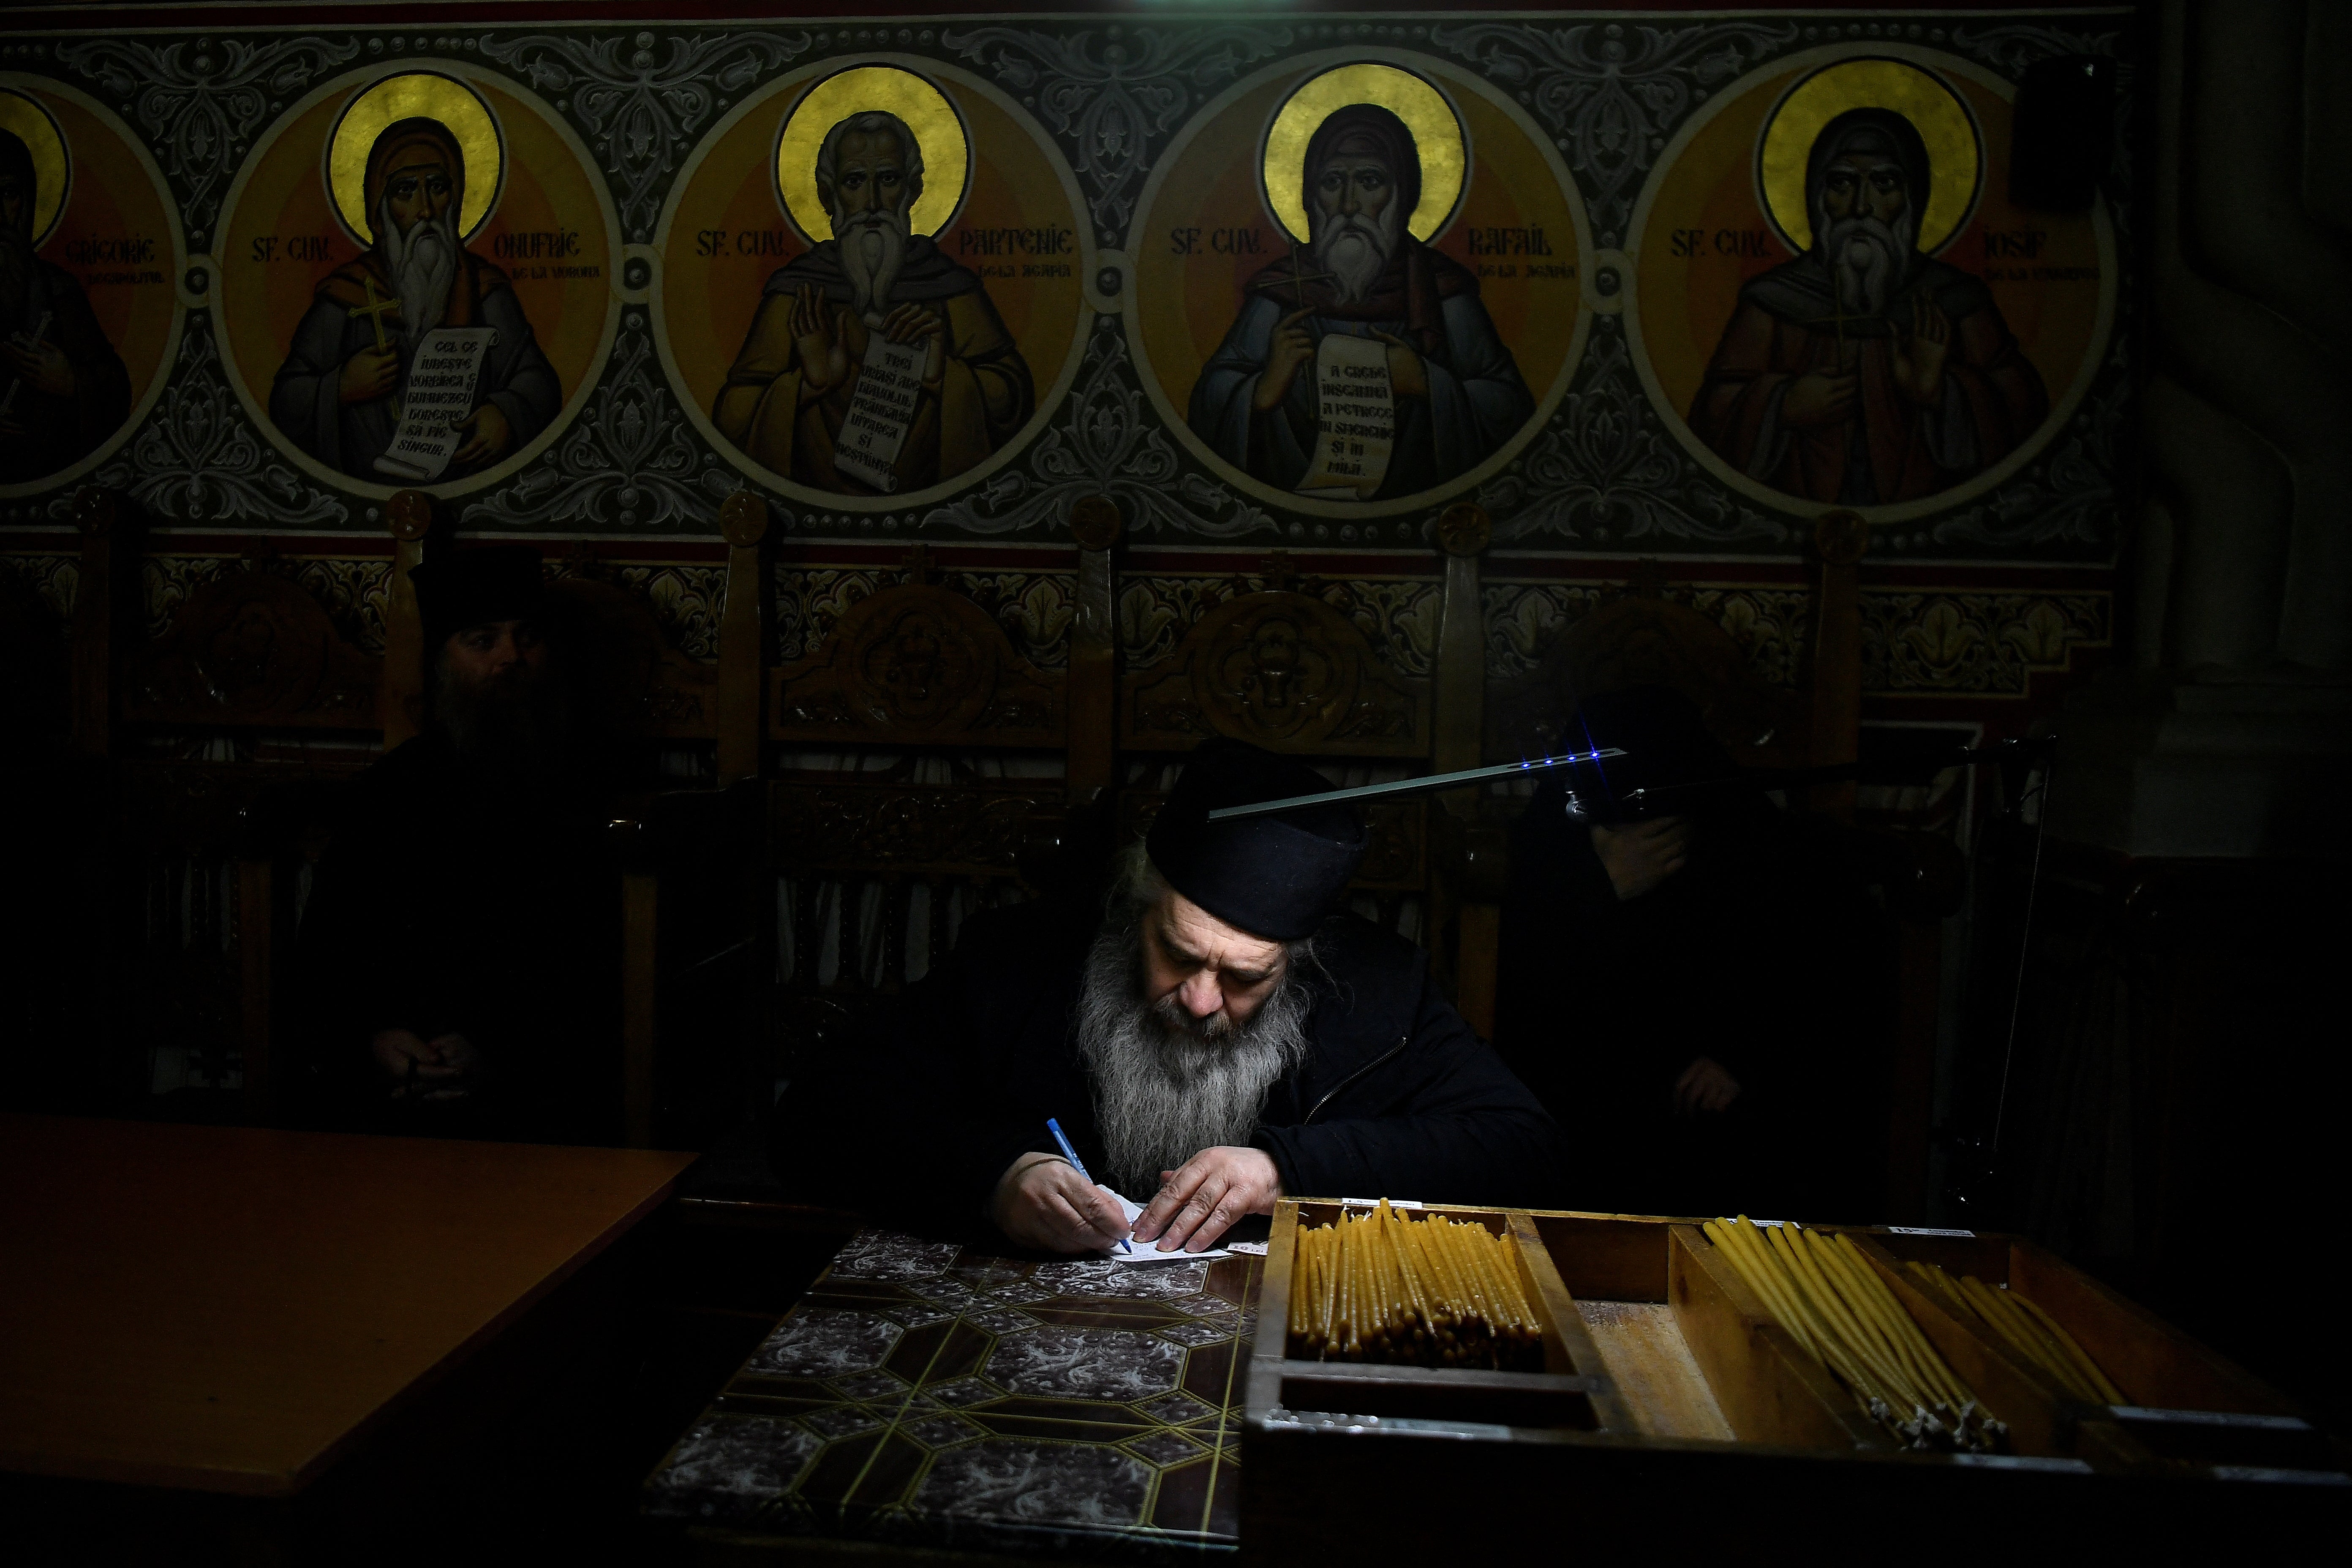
(1658, 284)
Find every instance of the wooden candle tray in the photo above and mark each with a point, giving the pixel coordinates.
(1664, 1373)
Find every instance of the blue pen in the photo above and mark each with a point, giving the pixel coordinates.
(1076, 1163)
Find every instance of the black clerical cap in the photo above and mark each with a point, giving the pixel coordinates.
(487, 583)
(1274, 875)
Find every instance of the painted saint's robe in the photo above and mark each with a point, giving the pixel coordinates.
(984, 395)
(304, 401)
(1476, 399)
(1888, 448)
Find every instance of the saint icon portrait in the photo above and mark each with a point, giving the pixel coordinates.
(874, 365)
(1361, 365)
(1866, 371)
(63, 389)
(415, 361)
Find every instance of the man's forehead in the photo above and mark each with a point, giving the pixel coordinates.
(1869, 163)
(1203, 935)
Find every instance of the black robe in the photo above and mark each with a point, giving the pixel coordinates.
(444, 907)
(1761, 954)
(1397, 1097)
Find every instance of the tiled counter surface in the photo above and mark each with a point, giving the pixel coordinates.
(937, 1396)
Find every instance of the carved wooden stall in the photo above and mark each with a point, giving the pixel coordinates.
(215, 747)
(957, 775)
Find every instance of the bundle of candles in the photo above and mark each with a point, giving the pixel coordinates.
(1833, 1302)
(2026, 1328)
(1425, 1292)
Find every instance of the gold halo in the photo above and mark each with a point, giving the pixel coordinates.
(939, 133)
(1955, 160)
(426, 95)
(1436, 136)
(52, 167)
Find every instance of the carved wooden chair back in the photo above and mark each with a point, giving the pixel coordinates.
(1283, 669)
(222, 743)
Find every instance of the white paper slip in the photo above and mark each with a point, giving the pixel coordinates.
(1355, 418)
(1146, 1254)
(436, 398)
(881, 407)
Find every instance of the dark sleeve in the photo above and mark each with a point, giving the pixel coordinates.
(1444, 1123)
(1561, 923)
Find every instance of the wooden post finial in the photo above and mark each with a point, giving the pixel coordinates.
(743, 519)
(1464, 529)
(1095, 521)
(408, 516)
(1841, 537)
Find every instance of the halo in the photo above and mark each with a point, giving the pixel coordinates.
(1955, 154)
(52, 165)
(426, 95)
(939, 133)
(1436, 136)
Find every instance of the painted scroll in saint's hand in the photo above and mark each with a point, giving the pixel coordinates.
(1355, 420)
(437, 399)
(881, 406)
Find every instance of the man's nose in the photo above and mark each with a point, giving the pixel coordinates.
(1202, 994)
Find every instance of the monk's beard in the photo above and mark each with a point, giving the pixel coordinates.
(15, 273)
(1867, 259)
(872, 249)
(1168, 1085)
(513, 728)
(1355, 250)
(422, 263)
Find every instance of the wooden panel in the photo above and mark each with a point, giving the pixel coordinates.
(1095, 522)
(228, 1309)
(1641, 1351)
(253, 651)
(408, 517)
(960, 830)
(743, 519)
(105, 613)
(1281, 671)
(918, 666)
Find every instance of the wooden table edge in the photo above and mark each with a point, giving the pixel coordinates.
(281, 1485)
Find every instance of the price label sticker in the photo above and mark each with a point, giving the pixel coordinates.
(1928, 1230)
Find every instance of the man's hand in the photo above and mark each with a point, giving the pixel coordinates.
(1705, 1086)
(1639, 856)
(1200, 1202)
(490, 435)
(425, 1069)
(369, 374)
(816, 344)
(1040, 1202)
(1292, 350)
(1918, 358)
(1817, 398)
(910, 323)
(41, 366)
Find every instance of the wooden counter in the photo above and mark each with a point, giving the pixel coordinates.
(227, 1310)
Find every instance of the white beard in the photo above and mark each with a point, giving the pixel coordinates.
(1356, 252)
(423, 263)
(1166, 1086)
(1867, 259)
(872, 249)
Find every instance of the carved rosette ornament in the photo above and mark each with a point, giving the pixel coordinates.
(918, 665)
(1095, 521)
(1841, 537)
(1464, 529)
(253, 648)
(1281, 671)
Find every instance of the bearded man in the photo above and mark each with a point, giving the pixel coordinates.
(335, 395)
(790, 390)
(462, 932)
(1457, 394)
(1218, 1034)
(63, 389)
(1863, 373)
